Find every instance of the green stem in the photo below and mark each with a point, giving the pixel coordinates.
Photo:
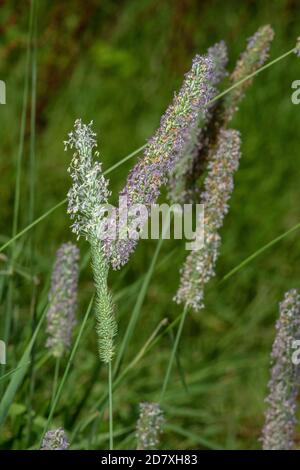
(22, 127)
(251, 75)
(128, 157)
(55, 379)
(259, 252)
(33, 224)
(16, 209)
(106, 326)
(173, 353)
(32, 187)
(110, 394)
(98, 407)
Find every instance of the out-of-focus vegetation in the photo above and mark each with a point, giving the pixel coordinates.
(118, 64)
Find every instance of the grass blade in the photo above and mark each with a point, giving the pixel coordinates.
(11, 372)
(259, 252)
(18, 376)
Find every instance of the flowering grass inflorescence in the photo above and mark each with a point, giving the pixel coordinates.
(89, 193)
(280, 416)
(253, 58)
(187, 187)
(62, 299)
(177, 127)
(149, 426)
(181, 173)
(87, 199)
(199, 266)
(55, 440)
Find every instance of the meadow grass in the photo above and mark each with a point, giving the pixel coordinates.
(224, 352)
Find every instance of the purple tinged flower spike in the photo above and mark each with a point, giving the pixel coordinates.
(199, 266)
(253, 58)
(55, 440)
(149, 426)
(62, 299)
(182, 173)
(186, 189)
(178, 124)
(219, 55)
(280, 416)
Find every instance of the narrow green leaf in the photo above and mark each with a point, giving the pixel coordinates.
(18, 376)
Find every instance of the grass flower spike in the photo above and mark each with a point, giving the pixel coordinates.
(62, 299)
(55, 440)
(280, 416)
(255, 55)
(87, 203)
(149, 426)
(182, 173)
(87, 198)
(89, 192)
(187, 187)
(218, 186)
(177, 127)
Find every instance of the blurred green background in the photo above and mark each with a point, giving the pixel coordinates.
(118, 64)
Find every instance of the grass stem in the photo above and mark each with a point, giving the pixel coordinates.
(173, 353)
(110, 395)
(55, 379)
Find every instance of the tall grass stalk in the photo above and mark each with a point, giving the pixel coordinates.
(252, 75)
(19, 160)
(87, 198)
(101, 403)
(10, 290)
(55, 379)
(110, 395)
(32, 188)
(106, 326)
(259, 252)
